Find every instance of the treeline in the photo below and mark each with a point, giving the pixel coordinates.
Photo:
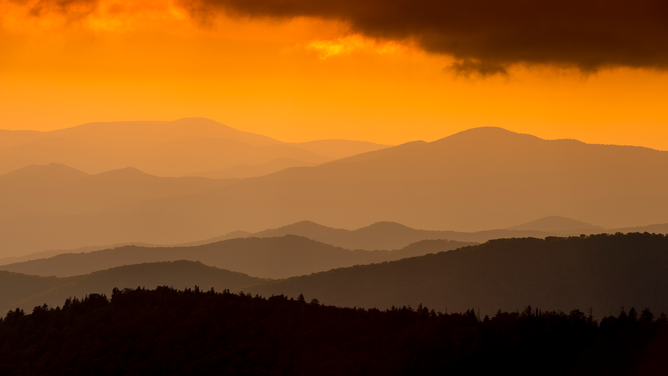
(167, 332)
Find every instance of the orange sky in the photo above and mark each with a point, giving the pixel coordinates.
(294, 80)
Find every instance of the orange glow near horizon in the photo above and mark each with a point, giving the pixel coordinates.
(295, 80)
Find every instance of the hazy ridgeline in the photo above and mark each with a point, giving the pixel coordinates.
(599, 272)
(279, 257)
(484, 178)
(378, 236)
(166, 148)
(166, 331)
(56, 190)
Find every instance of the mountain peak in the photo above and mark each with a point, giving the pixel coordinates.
(304, 225)
(487, 135)
(302, 228)
(134, 133)
(385, 226)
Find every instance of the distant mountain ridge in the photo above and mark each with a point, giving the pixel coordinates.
(557, 224)
(391, 235)
(481, 178)
(368, 238)
(377, 236)
(276, 257)
(507, 274)
(164, 148)
(56, 189)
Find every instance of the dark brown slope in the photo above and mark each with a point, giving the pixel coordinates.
(481, 178)
(27, 291)
(56, 189)
(282, 257)
(604, 272)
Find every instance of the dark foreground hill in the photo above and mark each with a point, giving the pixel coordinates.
(168, 332)
(281, 257)
(27, 291)
(602, 272)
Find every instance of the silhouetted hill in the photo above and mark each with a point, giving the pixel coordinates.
(386, 235)
(15, 287)
(556, 225)
(482, 178)
(171, 332)
(307, 229)
(603, 272)
(229, 235)
(390, 235)
(378, 236)
(27, 291)
(56, 189)
(280, 257)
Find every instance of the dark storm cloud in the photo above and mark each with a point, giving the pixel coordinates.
(488, 36)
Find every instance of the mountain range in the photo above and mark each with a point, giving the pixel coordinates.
(484, 178)
(600, 272)
(176, 148)
(56, 189)
(278, 257)
(391, 235)
(377, 236)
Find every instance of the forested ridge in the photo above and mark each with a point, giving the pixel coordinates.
(602, 272)
(26, 291)
(166, 331)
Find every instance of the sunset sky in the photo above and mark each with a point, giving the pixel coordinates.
(299, 70)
